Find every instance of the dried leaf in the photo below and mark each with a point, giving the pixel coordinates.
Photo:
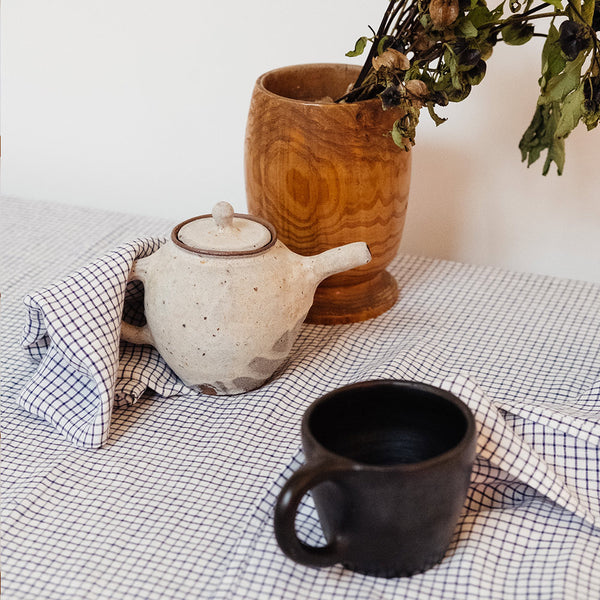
(417, 88)
(443, 12)
(391, 59)
(436, 118)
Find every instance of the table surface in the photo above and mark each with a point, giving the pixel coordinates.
(179, 502)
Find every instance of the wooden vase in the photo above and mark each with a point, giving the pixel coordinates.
(326, 174)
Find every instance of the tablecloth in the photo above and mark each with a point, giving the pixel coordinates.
(179, 502)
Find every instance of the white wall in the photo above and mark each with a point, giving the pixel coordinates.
(140, 106)
(473, 200)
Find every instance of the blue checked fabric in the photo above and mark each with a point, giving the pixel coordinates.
(73, 330)
(178, 502)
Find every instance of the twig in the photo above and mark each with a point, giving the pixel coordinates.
(367, 65)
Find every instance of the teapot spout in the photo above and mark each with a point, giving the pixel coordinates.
(337, 260)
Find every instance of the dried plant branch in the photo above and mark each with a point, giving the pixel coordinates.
(441, 49)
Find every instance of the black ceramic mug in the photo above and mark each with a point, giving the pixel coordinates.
(388, 464)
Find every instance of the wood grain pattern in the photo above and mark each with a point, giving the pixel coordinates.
(325, 175)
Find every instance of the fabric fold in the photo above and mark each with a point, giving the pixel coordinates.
(73, 330)
(508, 474)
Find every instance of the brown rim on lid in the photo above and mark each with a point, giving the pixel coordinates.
(224, 226)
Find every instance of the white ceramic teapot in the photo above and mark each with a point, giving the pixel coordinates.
(224, 299)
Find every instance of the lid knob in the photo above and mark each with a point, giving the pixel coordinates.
(223, 215)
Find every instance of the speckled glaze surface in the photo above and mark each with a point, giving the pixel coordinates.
(224, 323)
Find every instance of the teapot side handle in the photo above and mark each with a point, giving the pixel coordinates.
(132, 333)
(136, 335)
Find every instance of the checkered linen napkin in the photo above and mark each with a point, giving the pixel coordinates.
(73, 331)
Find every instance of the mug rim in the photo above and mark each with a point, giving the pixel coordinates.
(469, 436)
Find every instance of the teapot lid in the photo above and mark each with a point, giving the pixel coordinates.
(224, 233)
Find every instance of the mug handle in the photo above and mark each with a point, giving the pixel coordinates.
(133, 333)
(292, 492)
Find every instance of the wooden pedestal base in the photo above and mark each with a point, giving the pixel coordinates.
(352, 303)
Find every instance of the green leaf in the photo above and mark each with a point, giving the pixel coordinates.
(459, 94)
(399, 135)
(498, 11)
(359, 47)
(556, 3)
(480, 15)
(452, 63)
(571, 112)
(443, 83)
(553, 61)
(414, 72)
(560, 86)
(517, 34)
(384, 42)
(530, 141)
(541, 136)
(556, 155)
(466, 28)
(404, 129)
(587, 10)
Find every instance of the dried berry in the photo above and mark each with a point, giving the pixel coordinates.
(590, 106)
(398, 44)
(591, 94)
(421, 40)
(455, 95)
(443, 12)
(573, 38)
(468, 57)
(475, 75)
(391, 96)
